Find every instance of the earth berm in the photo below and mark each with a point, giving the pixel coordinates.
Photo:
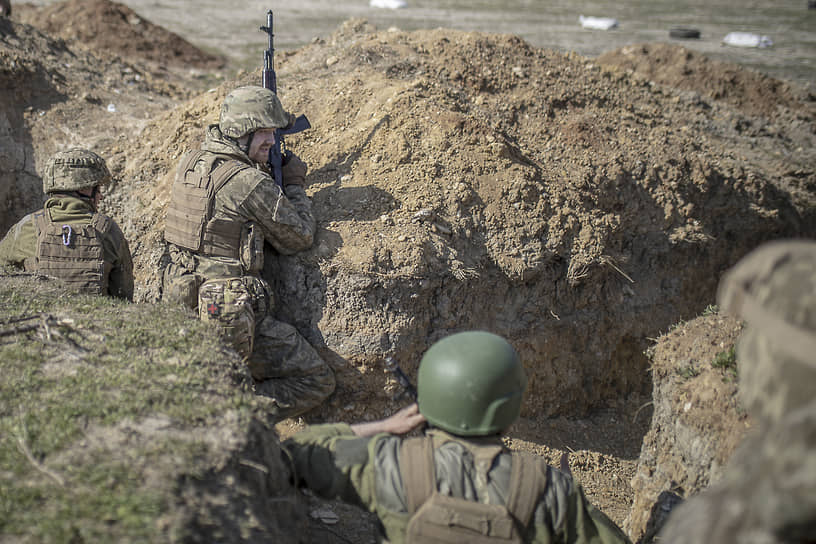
(580, 207)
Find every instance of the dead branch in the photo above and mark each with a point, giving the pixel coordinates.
(21, 445)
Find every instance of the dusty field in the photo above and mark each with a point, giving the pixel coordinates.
(551, 25)
(578, 206)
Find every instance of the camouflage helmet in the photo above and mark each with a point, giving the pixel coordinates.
(247, 109)
(75, 169)
(471, 384)
(774, 290)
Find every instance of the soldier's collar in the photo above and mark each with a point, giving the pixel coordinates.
(440, 437)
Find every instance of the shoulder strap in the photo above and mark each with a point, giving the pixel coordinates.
(526, 484)
(418, 471)
(102, 223)
(41, 220)
(224, 172)
(188, 162)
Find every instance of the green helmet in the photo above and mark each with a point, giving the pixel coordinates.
(75, 169)
(247, 109)
(471, 383)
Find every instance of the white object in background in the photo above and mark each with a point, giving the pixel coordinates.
(388, 4)
(597, 23)
(746, 39)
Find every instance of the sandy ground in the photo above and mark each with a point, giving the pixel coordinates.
(543, 24)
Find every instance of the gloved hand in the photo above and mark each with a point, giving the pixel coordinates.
(294, 171)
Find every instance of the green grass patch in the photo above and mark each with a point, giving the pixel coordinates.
(726, 361)
(83, 381)
(687, 372)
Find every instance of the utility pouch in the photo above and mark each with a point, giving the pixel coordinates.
(443, 519)
(228, 303)
(180, 286)
(251, 255)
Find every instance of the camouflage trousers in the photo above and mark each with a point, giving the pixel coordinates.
(285, 367)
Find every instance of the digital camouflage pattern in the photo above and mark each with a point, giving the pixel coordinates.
(73, 170)
(768, 492)
(19, 247)
(287, 369)
(229, 305)
(247, 109)
(334, 463)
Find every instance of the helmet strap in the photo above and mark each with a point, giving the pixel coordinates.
(245, 141)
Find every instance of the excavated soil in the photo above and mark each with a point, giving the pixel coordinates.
(116, 29)
(578, 206)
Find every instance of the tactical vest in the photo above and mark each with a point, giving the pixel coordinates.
(74, 253)
(437, 518)
(190, 223)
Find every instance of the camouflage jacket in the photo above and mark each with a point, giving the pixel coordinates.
(19, 247)
(335, 463)
(282, 217)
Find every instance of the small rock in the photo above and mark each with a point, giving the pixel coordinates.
(326, 515)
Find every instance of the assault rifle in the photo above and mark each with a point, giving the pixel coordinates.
(277, 154)
(393, 367)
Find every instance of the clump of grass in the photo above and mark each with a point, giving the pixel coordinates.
(711, 309)
(687, 372)
(726, 361)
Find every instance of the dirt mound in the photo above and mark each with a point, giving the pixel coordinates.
(129, 423)
(678, 67)
(56, 96)
(470, 181)
(112, 27)
(697, 422)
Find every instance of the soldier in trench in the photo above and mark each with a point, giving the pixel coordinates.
(68, 238)
(225, 206)
(458, 483)
(768, 491)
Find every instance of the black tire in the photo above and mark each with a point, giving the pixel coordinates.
(684, 33)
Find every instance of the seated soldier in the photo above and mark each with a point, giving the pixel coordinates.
(68, 238)
(457, 483)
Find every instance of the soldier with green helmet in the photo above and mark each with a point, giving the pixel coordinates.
(68, 238)
(224, 208)
(768, 491)
(457, 483)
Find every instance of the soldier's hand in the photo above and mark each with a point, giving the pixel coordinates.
(404, 421)
(294, 171)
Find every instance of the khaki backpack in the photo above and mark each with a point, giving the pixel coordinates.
(438, 518)
(73, 253)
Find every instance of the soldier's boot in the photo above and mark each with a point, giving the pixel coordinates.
(288, 370)
(296, 395)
